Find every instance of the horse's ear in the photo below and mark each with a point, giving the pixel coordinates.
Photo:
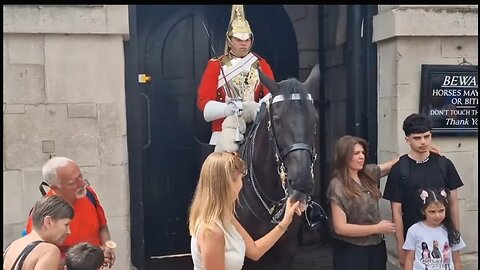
(271, 85)
(313, 81)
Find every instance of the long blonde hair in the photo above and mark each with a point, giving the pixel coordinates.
(214, 199)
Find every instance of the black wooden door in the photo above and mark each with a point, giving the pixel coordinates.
(176, 50)
(173, 50)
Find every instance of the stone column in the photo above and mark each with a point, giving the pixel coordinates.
(64, 95)
(408, 36)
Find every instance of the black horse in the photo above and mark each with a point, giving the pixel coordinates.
(279, 151)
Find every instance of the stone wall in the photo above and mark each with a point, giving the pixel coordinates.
(408, 36)
(64, 95)
(305, 23)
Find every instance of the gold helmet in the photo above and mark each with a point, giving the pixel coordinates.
(238, 26)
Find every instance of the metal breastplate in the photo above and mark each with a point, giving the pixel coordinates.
(244, 83)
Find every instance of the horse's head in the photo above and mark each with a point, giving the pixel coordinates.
(292, 126)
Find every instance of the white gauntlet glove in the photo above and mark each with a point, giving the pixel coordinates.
(237, 108)
(215, 110)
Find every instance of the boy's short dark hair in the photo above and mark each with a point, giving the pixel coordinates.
(84, 256)
(416, 123)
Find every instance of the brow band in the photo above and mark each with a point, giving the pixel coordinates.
(292, 97)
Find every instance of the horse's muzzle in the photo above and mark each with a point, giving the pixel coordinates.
(297, 195)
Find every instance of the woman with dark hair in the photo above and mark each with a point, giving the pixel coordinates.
(38, 250)
(353, 193)
(425, 253)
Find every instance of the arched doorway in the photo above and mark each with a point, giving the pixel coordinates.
(173, 49)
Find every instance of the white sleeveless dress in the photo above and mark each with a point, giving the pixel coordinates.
(234, 249)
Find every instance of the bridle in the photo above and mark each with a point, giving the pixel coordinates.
(280, 155)
(275, 210)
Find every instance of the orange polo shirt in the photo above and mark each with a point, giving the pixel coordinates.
(85, 225)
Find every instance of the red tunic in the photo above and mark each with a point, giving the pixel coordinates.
(207, 89)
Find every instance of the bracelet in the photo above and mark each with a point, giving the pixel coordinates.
(281, 227)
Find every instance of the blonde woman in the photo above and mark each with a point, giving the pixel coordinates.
(219, 242)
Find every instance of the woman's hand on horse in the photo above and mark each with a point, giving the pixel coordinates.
(290, 210)
(295, 208)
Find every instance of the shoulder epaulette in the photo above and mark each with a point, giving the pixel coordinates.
(220, 58)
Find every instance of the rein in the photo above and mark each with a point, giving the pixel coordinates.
(247, 154)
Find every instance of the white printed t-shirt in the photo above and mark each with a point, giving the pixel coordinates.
(432, 250)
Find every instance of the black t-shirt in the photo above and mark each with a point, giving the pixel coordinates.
(421, 175)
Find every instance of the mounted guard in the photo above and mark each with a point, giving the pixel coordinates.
(230, 90)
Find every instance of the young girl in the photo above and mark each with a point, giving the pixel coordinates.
(436, 227)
